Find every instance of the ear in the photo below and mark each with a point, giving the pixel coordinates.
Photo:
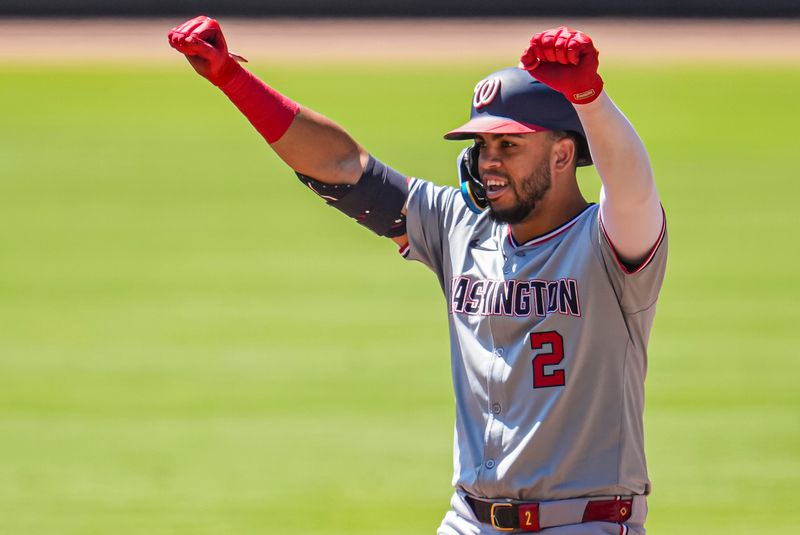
(563, 154)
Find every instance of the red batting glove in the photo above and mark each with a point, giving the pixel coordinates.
(565, 60)
(201, 41)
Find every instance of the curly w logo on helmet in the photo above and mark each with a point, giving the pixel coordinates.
(485, 91)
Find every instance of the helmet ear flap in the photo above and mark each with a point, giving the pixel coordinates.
(471, 187)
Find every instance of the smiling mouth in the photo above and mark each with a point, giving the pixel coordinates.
(494, 186)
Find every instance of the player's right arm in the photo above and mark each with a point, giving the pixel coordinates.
(309, 143)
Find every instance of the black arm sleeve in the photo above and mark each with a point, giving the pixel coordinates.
(376, 201)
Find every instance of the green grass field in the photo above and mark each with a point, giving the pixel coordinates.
(190, 343)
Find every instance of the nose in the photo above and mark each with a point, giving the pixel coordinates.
(488, 158)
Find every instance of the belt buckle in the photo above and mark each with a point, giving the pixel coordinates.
(494, 520)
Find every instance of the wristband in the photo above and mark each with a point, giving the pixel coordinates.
(270, 112)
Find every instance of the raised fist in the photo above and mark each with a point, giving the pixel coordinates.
(566, 60)
(201, 41)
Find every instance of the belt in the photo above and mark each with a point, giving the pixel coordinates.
(531, 516)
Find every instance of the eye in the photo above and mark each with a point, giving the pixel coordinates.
(480, 143)
(508, 144)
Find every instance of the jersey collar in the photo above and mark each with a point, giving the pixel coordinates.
(538, 240)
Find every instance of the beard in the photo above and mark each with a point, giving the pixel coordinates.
(528, 192)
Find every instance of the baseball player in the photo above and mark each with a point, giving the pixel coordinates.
(551, 298)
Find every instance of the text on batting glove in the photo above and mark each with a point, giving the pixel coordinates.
(565, 60)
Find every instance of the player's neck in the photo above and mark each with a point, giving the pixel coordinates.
(548, 215)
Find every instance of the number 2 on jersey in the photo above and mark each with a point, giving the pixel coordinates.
(542, 379)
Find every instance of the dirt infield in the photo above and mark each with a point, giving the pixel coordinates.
(435, 40)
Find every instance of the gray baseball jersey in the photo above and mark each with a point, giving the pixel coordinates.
(548, 342)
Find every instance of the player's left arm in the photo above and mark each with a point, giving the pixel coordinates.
(630, 208)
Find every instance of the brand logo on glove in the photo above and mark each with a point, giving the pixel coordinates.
(585, 94)
(486, 91)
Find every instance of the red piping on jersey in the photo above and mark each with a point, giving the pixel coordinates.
(652, 250)
(404, 249)
(550, 235)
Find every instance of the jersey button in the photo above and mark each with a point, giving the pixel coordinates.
(490, 464)
(496, 408)
(498, 352)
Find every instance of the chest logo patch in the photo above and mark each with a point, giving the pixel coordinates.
(485, 92)
(532, 297)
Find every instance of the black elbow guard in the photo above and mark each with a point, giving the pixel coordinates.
(376, 201)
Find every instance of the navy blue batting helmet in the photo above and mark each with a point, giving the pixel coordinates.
(511, 101)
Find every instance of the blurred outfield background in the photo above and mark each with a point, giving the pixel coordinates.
(191, 343)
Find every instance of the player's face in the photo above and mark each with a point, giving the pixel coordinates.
(515, 172)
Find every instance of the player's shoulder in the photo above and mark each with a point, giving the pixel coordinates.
(431, 206)
(588, 220)
(426, 189)
(424, 194)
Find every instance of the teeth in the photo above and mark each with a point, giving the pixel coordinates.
(492, 182)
